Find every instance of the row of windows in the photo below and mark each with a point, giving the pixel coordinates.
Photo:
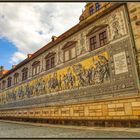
(92, 9)
(96, 40)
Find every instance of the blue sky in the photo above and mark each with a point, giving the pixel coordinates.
(26, 27)
(7, 49)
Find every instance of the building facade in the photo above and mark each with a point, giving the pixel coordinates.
(89, 75)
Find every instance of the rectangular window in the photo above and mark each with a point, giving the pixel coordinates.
(97, 5)
(73, 52)
(38, 69)
(98, 39)
(47, 64)
(50, 62)
(93, 43)
(9, 82)
(34, 71)
(24, 75)
(3, 84)
(67, 57)
(69, 50)
(103, 38)
(91, 10)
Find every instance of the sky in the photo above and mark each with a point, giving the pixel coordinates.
(27, 27)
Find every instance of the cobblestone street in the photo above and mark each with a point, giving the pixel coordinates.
(29, 130)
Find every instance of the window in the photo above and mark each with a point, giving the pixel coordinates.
(93, 43)
(97, 5)
(50, 61)
(16, 78)
(69, 50)
(3, 84)
(91, 10)
(66, 55)
(9, 82)
(73, 52)
(97, 37)
(103, 38)
(24, 74)
(36, 67)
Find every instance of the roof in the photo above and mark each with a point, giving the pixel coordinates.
(5, 71)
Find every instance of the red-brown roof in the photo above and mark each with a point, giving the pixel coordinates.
(5, 71)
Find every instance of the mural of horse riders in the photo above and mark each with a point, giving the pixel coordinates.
(78, 75)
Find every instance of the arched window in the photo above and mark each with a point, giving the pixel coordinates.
(9, 81)
(97, 37)
(69, 50)
(35, 68)
(24, 74)
(16, 78)
(50, 60)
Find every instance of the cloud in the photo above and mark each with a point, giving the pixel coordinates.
(17, 57)
(30, 26)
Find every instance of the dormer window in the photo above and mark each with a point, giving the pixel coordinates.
(50, 60)
(91, 10)
(69, 50)
(9, 81)
(97, 5)
(36, 68)
(97, 37)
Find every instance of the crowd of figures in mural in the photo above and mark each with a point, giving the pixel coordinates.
(75, 76)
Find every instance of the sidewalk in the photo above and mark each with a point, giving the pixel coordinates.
(136, 130)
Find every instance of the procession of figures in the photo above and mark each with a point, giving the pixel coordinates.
(76, 76)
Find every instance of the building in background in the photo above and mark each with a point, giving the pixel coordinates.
(89, 75)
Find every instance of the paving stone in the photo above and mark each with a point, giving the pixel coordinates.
(21, 130)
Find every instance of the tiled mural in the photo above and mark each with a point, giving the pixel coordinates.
(92, 71)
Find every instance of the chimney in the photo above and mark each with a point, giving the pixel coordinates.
(29, 55)
(13, 66)
(54, 38)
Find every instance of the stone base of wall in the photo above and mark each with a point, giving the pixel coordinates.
(114, 112)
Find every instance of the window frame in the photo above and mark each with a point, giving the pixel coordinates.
(68, 48)
(50, 61)
(16, 78)
(35, 68)
(3, 84)
(24, 74)
(96, 33)
(91, 10)
(97, 6)
(104, 37)
(9, 82)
